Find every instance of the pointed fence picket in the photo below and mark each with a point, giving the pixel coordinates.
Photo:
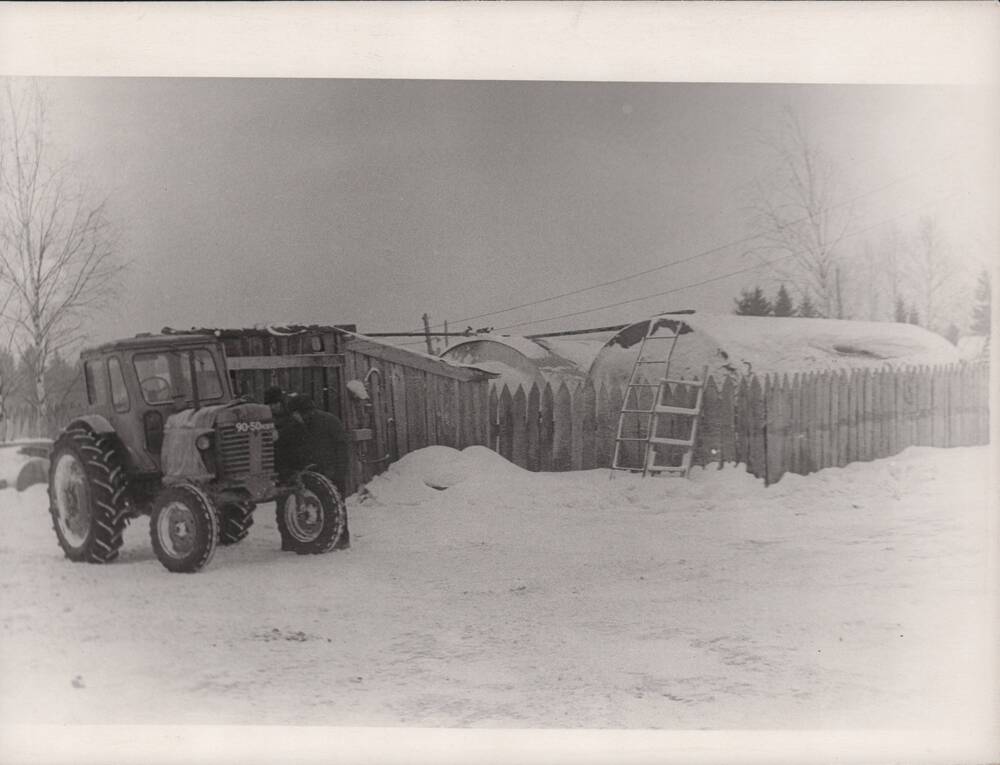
(774, 424)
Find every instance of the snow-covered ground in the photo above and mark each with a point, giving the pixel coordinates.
(477, 594)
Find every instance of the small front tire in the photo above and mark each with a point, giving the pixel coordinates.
(184, 529)
(311, 519)
(235, 521)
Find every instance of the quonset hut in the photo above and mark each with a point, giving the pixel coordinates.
(731, 345)
(525, 361)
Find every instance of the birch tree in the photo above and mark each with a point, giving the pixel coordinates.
(797, 216)
(934, 274)
(57, 258)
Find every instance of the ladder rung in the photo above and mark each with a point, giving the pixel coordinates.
(692, 383)
(671, 441)
(676, 410)
(631, 438)
(666, 469)
(643, 385)
(650, 362)
(637, 411)
(661, 337)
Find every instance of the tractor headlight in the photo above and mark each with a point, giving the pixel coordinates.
(203, 442)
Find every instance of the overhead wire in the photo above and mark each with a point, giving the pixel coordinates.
(697, 255)
(726, 275)
(720, 277)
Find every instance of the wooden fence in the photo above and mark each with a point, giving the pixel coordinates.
(774, 425)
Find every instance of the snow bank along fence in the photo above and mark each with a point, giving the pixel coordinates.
(775, 425)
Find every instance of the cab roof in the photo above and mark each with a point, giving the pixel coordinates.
(151, 342)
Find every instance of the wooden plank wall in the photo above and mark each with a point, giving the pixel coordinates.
(415, 401)
(325, 386)
(773, 424)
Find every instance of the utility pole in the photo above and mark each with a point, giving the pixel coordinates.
(446, 341)
(427, 333)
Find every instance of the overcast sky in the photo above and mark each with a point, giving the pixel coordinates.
(370, 202)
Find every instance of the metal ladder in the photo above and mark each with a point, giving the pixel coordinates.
(651, 440)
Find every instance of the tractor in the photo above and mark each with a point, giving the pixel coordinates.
(163, 435)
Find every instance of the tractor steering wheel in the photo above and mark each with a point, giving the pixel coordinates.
(156, 388)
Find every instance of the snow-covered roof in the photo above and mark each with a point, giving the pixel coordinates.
(523, 361)
(727, 343)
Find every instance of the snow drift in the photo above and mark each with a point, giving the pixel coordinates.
(479, 594)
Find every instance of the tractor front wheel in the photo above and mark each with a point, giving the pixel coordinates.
(184, 529)
(87, 495)
(311, 519)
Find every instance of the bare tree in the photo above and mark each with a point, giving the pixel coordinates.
(936, 278)
(9, 377)
(57, 262)
(798, 218)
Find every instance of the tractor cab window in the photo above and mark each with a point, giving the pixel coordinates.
(166, 376)
(119, 392)
(96, 381)
(205, 373)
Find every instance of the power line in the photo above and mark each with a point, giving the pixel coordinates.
(723, 276)
(703, 253)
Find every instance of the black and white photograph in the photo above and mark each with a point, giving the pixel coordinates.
(478, 400)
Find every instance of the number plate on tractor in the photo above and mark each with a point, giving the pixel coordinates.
(247, 427)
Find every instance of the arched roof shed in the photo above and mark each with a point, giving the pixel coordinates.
(728, 344)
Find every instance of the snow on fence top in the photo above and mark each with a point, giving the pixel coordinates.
(738, 345)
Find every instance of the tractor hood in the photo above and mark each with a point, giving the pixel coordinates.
(180, 456)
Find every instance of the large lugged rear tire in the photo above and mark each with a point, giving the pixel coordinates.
(87, 495)
(311, 519)
(184, 528)
(235, 521)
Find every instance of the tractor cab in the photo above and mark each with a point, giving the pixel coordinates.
(137, 385)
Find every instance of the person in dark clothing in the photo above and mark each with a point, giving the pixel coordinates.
(290, 447)
(326, 446)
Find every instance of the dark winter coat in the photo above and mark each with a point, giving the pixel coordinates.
(290, 449)
(326, 445)
(326, 448)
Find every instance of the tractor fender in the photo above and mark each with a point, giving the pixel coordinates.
(99, 425)
(95, 422)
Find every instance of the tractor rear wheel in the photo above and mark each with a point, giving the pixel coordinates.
(184, 528)
(311, 519)
(235, 521)
(87, 495)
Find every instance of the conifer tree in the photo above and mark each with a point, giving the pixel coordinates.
(806, 308)
(900, 315)
(753, 303)
(981, 311)
(783, 305)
